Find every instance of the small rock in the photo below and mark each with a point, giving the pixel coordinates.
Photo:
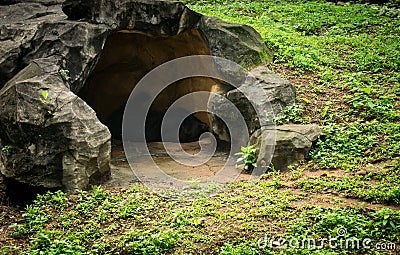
(293, 142)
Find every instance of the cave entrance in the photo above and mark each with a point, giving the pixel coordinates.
(128, 56)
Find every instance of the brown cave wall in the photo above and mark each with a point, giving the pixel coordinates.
(129, 55)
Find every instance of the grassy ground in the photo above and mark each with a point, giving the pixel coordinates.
(345, 63)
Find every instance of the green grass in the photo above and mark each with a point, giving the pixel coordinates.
(136, 221)
(345, 64)
(354, 49)
(382, 191)
(356, 144)
(139, 222)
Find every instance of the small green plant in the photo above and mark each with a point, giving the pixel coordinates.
(362, 103)
(326, 109)
(7, 148)
(65, 74)
(247, 157)
(291, 113)
(46, 101)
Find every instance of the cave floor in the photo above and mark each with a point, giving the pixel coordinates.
(123, 176)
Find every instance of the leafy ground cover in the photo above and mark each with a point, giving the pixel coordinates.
(344, 61)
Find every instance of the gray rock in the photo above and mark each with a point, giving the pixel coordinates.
(54, 142)
(279, 93)
(75, 46)
(18, 25)
(238, 43)
(293, 143)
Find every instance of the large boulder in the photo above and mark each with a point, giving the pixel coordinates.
(52, 148)
(236, 42)
(278, 94)
(50, 137)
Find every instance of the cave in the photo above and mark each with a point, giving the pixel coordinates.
(88, 56)
(129, 55)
